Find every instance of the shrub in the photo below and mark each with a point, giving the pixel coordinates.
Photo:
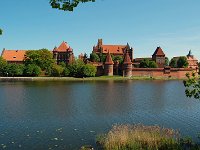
(32, 70)
(89, 70)
(57, 70)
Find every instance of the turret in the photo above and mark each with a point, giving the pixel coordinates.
(108, 66)
(127, 66)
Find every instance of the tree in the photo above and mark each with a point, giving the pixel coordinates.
(166, 61)
(102, 57)
(182, 62)
(42, 58)
(66, 72)
(67, 5)
(89, 70)
(76, 68)
(14, 70)
(1, 31)
(3, 65)
(173, 63)
(153, 64)
(94, 57)
(57, 70)
(192, 85)
(117, 58)
(32, 70)
(145, 63)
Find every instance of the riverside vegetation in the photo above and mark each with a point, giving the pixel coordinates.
(129, 137)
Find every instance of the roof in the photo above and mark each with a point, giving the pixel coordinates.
(109, 60)
(127, 59)
(63, 47)
(113, 49)
(159, 52)
(14, 55)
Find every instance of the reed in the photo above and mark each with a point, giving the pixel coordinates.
(126, 137)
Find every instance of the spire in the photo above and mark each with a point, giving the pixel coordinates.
(127, 59)
(127, 46)
(109, 60)
(190, 53)
(159, 52)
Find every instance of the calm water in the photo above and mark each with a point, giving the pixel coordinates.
(67, 115)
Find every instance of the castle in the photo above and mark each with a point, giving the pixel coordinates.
(128, 67)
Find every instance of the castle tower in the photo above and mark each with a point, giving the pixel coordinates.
(127, 66)
(108, 66)
(159, 57)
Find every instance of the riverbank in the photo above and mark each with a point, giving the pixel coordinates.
(102, 78)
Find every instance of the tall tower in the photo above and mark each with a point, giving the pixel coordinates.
(127, 65)
(108, 66)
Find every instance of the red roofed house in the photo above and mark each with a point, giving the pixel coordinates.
(117, 50)
(14, 56)
(64, 53)
(159, 57)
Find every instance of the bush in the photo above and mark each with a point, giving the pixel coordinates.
(89, 70)
(14, 70)
(182, 62)
(32, 70)
(57, 70)
(66, 72)
(76, 68)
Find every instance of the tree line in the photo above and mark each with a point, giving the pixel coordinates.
(41, 63)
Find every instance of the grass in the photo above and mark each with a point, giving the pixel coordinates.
(128, 137)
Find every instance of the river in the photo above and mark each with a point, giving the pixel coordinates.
(67, 115)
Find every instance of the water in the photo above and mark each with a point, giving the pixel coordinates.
(67, 115)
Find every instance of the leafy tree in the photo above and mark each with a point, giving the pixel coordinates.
(42, 58)
(153, 64)
(94, 57)
(66, 72)
(182, 62)
(173, 63)
(67, 5)
(117, 58)
(192, 85)
(3, 65)
(57, 70)
(89, 70)
(32, 70)
(1, 31)
(102, 57)
(76, 68)
(63, 64)
(166, 61)
(14, 70)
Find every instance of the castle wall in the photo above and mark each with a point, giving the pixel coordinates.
(162, 72)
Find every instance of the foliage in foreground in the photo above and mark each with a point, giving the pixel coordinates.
(123, 137)
(192, 85)
(67, 5)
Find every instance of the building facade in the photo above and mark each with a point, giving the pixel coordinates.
(63, 53)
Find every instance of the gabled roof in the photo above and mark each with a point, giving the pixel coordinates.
(113, 49)
(127, 59)
(63, 47)
(14, 55)
(109, 60)
(158, 52)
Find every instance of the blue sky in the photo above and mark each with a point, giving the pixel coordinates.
(144, 24)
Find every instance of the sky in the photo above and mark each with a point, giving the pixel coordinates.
(174, 25)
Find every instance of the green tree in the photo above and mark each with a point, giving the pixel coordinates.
(76, 68)
(144, 63)
(166, 61)
(57, 70)
(94, 57)
(66, 72)
(89, 70)
(14, 70)
(67, 5)
(42, 58)
(173, 63)
(1, 31)
(32, 70)
(117, 58)
(102, 57)
(182, 62)
(3, 65)
(63, 64)
(152, 64)
(192, 85)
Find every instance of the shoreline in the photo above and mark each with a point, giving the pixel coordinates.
(102, 78)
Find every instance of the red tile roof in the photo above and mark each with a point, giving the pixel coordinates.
(159, 52)
(127, 59)
(109, 60)
(13, 55)
(63, 47)
(113, 49)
